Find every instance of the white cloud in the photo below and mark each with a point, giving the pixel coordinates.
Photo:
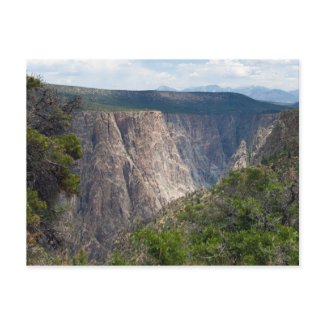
(194, 74)
(229, 67)
(150, 74)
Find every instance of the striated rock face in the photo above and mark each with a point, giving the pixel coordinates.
(259, 140)
(206, 143)
(282, 145)
(281, 136)
(130, 169)
(240, 157)
(199, 144)
(134, 163)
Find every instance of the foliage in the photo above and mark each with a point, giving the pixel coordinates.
(246, 219)
(252, 197)
(38, 255)
(256, 247)
(246, 247)
(80, 258)
(34, 82)
(117, 259)
(51, 155)
(70, 144)
(35, 207)
(47, 111)
(49, 163)
(35, 211)
(165, 247)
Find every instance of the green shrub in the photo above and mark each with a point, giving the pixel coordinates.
(117, 259)
(256, 247)
(80, 258)
(34, 82)
(35, 207)
(166, 247)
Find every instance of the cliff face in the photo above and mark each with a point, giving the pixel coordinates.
(240, 157)
(275, 145)
(280, 136)
(134, 163)
(131, 168)
(206, 143)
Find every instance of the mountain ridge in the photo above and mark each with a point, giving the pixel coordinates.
(167, 102)
(255, 92)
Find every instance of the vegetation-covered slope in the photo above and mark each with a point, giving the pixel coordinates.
(167, 102)
(251, 217)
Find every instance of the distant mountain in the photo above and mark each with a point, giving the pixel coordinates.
(294, 105)
(271, 95)
(166, 88)
(295, 93)
(255, 92)
(208, 89)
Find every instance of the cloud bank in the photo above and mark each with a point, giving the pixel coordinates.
(150, 74)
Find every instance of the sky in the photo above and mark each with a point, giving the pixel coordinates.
(179, 74)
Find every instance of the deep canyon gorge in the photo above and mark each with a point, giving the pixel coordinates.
(134, 163)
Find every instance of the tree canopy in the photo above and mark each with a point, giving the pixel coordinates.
(248, 218)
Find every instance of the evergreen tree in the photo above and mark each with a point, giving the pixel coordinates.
(51, 154)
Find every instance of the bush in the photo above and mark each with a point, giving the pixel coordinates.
(256, 247)
(35, 207)
(49, 163)
(34, 82)
(80, 258)
(166, 247)
(117, 259)
(252, 197)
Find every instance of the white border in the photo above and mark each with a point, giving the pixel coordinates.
(161, 29)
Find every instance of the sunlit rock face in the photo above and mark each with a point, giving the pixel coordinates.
(134, 163)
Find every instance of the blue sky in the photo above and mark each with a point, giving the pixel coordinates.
(150, 74)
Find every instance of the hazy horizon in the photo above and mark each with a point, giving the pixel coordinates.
(178, 74)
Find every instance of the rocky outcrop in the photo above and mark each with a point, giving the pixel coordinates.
(259, 140)
(278, 141)
(240, 157)
(134, 163)
(282, 136)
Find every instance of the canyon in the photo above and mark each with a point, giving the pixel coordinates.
(135, 162)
